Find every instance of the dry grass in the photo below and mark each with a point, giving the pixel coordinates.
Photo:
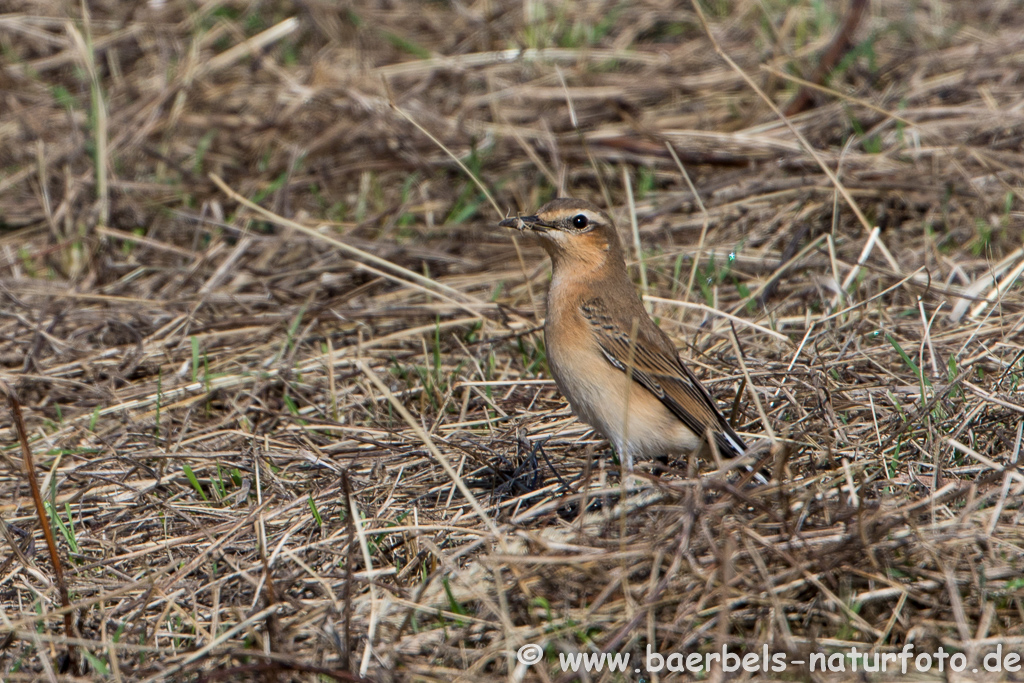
(215, 391)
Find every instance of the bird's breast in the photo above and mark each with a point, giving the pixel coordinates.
(603, 396)
(574, 357)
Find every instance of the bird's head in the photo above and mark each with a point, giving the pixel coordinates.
(572, 231)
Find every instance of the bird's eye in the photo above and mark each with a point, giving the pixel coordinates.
(579, 221)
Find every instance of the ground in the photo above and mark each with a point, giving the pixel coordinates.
(283, 381)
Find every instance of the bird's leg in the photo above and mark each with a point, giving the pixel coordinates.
(662, 463)
(527, 470)
(539, 448)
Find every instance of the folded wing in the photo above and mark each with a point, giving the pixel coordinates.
(656, 366)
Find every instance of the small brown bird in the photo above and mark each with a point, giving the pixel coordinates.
(621, 373)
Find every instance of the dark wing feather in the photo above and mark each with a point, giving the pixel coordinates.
(656, 366)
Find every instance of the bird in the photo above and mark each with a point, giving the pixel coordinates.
(620, 372)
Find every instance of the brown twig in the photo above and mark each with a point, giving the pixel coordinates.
(44, 520)
(840, 45)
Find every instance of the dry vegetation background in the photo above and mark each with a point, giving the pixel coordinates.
(245, 301)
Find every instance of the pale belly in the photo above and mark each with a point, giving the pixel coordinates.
(621, 410)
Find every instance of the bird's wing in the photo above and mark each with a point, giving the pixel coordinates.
(656, 366)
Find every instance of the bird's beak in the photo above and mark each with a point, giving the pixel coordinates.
(521, 223)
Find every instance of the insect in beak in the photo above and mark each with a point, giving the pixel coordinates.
(523, 223)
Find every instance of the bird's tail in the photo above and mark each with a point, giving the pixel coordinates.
(731, 445)
(729, 442)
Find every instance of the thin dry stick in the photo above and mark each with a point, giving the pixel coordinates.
(998, 509)
(999, 290)
(583, 142)
(499, 115)
(269, 591)
(432, 449)
(1010, 471)
(778, 273)
(722, 314)
(706, 218)
(636, 231)
(465, 169)
(169, 673)
(435, 288)
(861, 260)
(510, 55)
(840, 45)
(854, 500)
(99, 111)
(750, 385)
(987, 279)
(526, 279)
(44, 521)
(799, 136)
(926, 341)
(483, 188)
(993, 399)
(855, 306)
(375, 615)
(250, 47)
(838, 95)
(843, 312)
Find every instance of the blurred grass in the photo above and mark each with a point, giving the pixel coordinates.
(193, 369)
